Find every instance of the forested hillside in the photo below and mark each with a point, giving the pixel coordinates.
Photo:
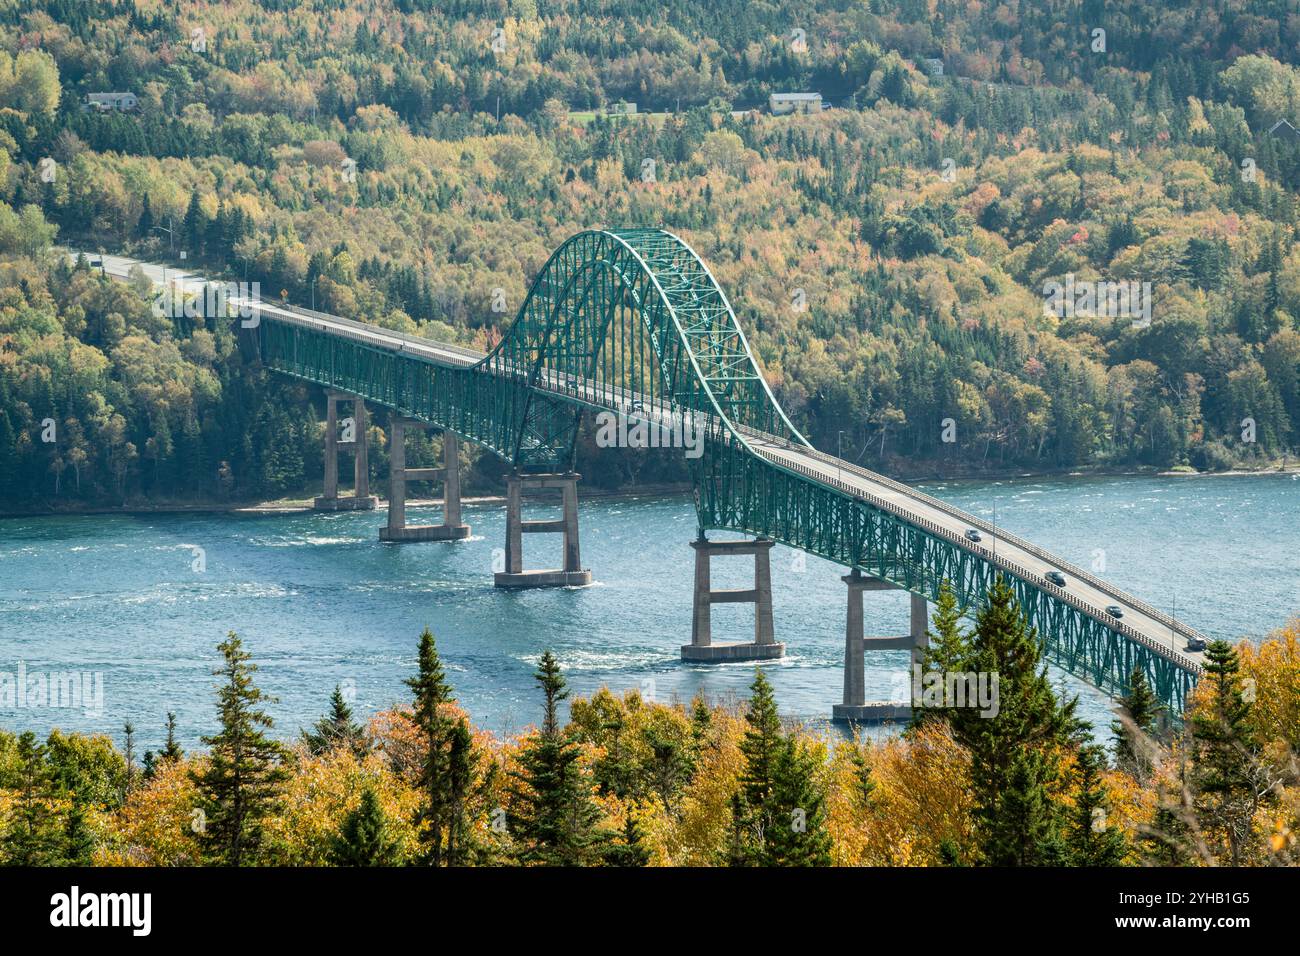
(409, 162)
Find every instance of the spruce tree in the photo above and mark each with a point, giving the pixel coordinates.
(336, 729)
(756, 810)
(432, 697)
(553, 816)
(1092, 839)
(144, 225)
(797, 834)
(363, 838)
(78, 841)
(128, 731)
(1014, 754)
(239, 785)
(467, 798)
(1228, 779)
(32, 835)
(171, 750)
(1135, 728)
(631, 849)
(946, 654)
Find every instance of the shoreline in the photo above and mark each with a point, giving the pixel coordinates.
(299, 505)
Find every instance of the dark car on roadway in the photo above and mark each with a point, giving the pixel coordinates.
(1056, 577)
(973, 535)
(1115, 611)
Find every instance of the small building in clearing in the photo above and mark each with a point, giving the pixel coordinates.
(621, 108)
(795, 103)
(105, 102)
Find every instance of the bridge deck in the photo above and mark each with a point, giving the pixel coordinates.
(1089, 594)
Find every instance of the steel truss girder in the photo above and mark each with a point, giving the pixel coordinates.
(632, 320)
(737, 490)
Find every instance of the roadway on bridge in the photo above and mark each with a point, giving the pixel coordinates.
(1151, 627)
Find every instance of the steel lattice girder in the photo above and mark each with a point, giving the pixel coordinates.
(633, 321)
(738, 491)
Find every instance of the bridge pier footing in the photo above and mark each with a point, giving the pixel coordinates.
(397, 529)
(764, 646)
(361, 499)
(855, 707)
(572, 574)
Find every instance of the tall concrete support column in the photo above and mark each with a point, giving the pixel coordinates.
(361, 499)
(361, 452)
(451, 481)
(855, 693)
(397, 529)
(855, 707)
(331, 489)
(764, 646)
(572, 574)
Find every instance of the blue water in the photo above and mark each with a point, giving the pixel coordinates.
(319, 601)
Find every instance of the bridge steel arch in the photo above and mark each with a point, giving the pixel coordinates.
(633, 321)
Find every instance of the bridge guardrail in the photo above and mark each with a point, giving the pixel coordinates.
(471, 356)
(1153, 612)
(1000, 561)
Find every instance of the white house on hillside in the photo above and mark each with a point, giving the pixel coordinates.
(111, 101)
(796, 103)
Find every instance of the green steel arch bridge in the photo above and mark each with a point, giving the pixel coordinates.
(632, 321)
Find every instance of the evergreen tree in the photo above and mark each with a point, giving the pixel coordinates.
(432, 697)
(631, 850)
(32, 835)
(363, 838)
(553, 816)
(337, 729)
(171, 750)
(1133, 731)
(195, 225)
(466, 797)
(1227, 776)
(238, 786)
(946, 653)
(1015, 754)
(778, 816)
(144, 225)
(1091, 839)
(129, 753)
(797, 835)
(753, 813)
(78, 842)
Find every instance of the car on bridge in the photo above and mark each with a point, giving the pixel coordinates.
(974, 535)
(1115, 610)
(1195, 644)
(1056, 577)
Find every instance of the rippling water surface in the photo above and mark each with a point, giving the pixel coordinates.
(319, 601)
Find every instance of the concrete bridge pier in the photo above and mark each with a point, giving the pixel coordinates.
(397, 529)
(855, 706)
(361, 499)
(572, 574)
(764, 646)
